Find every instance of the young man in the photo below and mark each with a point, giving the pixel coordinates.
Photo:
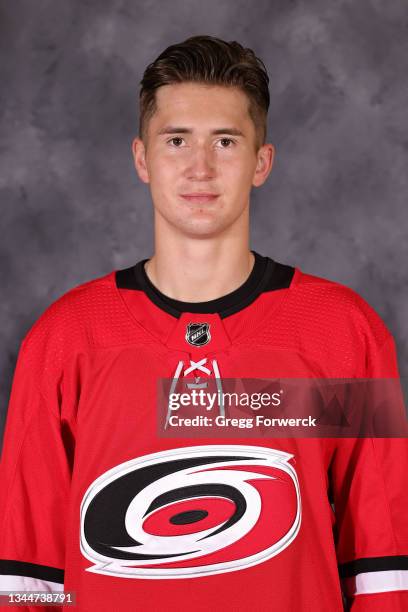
(96, 499)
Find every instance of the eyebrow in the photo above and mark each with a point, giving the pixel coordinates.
(171, 129)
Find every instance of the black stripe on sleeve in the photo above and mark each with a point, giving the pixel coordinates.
(373, 564)
(11, 567)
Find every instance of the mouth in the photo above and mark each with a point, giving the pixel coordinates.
(200, 197)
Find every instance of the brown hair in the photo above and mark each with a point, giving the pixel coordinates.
(209, 60)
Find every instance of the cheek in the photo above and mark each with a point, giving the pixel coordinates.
(163, 172)
(236, 174)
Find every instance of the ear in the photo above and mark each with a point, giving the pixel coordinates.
(265, 157)
(139, 157)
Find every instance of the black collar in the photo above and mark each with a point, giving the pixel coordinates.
(266, 275)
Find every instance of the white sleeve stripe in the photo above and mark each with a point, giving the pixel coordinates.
(376, 582)
(26, 583)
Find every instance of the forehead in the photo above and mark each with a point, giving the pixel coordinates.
(193, 102)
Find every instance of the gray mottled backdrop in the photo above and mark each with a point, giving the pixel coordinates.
(72, 207)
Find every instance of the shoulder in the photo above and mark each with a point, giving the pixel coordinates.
(88, 316)
(62, 327)
(65, 315)
(333, 304)
(335, 325)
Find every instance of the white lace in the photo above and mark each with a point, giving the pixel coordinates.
(200, 366)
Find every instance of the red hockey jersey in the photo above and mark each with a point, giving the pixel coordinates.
(94, 501)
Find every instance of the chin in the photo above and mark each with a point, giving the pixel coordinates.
(202, 229)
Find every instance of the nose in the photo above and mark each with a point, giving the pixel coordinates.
(201, 164)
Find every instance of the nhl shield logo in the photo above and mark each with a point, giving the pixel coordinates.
(198, 334)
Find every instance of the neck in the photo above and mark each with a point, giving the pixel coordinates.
(199, 270)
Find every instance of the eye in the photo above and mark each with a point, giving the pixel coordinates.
(176, 138)
(229, 141)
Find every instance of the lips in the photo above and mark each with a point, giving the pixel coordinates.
(200, 197)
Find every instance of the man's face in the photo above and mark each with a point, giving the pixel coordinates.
(200, 158)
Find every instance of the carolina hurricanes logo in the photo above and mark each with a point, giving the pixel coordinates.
(190, 512)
